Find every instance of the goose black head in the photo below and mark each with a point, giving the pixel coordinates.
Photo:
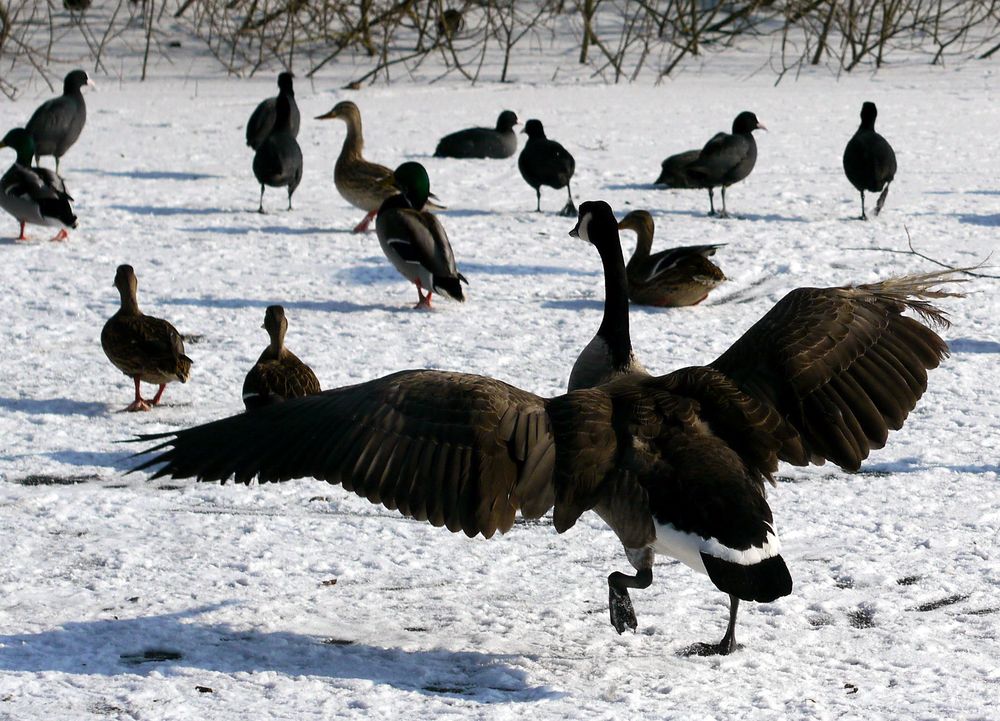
(746, 122)
(285, 83)
(596, 224)
(506, 121)
(21, 142)
(76, 80)
(411, 178)
(533, 129)
(868, 114)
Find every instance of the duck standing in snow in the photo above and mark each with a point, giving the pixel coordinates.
(414, 240)
(264, 115)
(57, 123)
(670, 278)
(142, 347)
(498, 142)
(34, 195)
(726, 159)
(278, 374)
(546, 162)
(278, 160)
(869, 160)
(363, 184)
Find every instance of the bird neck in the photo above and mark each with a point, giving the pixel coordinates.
(614, 326)
(25, 152)
(867, 124)
(282, 114)
(277, 345)
(643, 245)
(354, 142)
(130, 303)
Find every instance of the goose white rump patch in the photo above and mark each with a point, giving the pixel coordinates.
(688, 547)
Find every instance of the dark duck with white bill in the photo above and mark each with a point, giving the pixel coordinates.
(675, 464)
(869, 160)
(546, 162)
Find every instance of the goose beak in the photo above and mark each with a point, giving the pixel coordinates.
(576, 231)
(327, 116)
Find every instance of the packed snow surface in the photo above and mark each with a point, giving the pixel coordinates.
(126, 598)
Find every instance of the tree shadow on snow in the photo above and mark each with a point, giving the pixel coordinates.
(149, 174)
(54, 406)
(168, 210)
(269, 229)
(322, 306)
(173, 641)
(973, 345)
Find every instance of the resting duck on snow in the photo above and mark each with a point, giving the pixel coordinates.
(414, 240)
(34, 195)
(278, 374)
(675, 464)
(142, 347)
(499, 142)
(674, 277)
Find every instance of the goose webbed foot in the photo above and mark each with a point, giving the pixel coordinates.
(137, 405)
(728, 643)
(568, 211)
(61, 235)
(620, 603)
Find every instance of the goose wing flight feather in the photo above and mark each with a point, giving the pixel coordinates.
(458, 450)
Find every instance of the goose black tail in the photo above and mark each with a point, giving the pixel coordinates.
(764, 581)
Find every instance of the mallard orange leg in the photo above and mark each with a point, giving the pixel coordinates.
(22, 236)
(363, 225)
(425, 300)
(61, 235)
(159, 394)
(138, 404)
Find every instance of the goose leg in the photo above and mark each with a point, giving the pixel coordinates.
(619, 602)
(57, 165)
(290, 199)
(363, 225)
(728, 643)
(538, 199)
(570, 210)
(159, 394)
(260, 208)
(138, 404)
(711, 202)
(863, 216)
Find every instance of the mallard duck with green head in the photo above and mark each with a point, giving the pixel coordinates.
(34, 195)
(142, 347)
(414, 240)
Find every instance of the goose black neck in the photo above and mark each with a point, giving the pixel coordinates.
(282, 114)
(614, 326)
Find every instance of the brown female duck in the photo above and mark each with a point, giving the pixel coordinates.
(278, 373)
(142, 347)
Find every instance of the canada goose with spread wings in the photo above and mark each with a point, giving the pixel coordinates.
(675, 464)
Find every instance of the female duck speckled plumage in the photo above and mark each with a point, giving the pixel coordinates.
(142, 347)
(675, 465)
(414, 240)
(278, 373)
(670, 278)
(34, 195)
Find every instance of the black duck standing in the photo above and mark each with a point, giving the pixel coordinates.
(499, 142)
(869, 161)
(675, 464)
(278, 160)
(34, 195)
(262, 120)
(278, 374)
(726, 159)
(414, 240)
(142, 347)
(546, 162)
(58, 122)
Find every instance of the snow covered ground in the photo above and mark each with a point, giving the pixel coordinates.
(125, 598)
